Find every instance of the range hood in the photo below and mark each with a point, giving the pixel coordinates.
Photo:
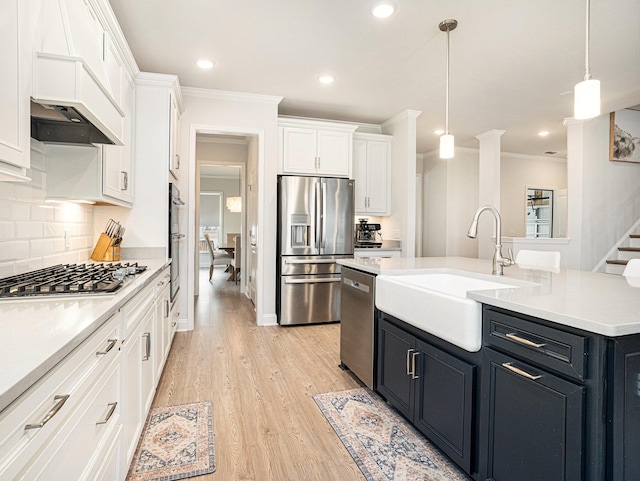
(58, 124)
(72, 83)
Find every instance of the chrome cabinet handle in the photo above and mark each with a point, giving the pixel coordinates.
(112, 408)
(413, 365)
(125, 180)
(110, 344)
(166, 309)
(409, 371)
(519, 371)
(513, 336)
(59, 402)
(173, 324)
(161, 283)
(148, 346)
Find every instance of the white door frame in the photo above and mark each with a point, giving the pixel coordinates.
(195, 129)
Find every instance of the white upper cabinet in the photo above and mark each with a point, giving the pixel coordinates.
(372, 173)
(315, 148)
(117, 161)
(174, 135)
(15, 88)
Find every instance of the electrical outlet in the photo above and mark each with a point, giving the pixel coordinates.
(67, 239)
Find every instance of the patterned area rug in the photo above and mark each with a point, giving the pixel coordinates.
(176, 443)
(383, 444)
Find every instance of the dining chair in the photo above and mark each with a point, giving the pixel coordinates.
(217, 256)
(236, 260)
(541, 260)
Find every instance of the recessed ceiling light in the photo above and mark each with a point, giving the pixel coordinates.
(543, 133)
(205, 64)
(326, 79)
(438, 131)
(383, 9)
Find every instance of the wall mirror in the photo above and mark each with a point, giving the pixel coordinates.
(539, 213)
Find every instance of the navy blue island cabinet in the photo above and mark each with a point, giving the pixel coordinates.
(539, 401)
(557, 403)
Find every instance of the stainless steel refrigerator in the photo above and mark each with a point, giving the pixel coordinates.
(315, 228)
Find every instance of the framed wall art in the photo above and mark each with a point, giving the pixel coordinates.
(624, 135)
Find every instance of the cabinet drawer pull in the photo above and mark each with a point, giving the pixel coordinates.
(173, 324)
(112, 408)
(161, 283)
(413, 365)
(409, 372)
(166, 309)
(59, 402)
(110, 345)
(519, 371)
(513, 336)
(147, 354)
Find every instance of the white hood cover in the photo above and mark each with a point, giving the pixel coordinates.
(71, 65)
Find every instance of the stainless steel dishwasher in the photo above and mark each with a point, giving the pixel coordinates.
(357, 323)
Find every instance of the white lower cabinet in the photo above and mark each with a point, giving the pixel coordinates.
(82, 420)
(51, 432)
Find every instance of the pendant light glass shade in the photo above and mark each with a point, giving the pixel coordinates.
(446, 146)
(586, 95)
(586, 99)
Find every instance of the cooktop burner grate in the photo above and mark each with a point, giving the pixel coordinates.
(69, 279)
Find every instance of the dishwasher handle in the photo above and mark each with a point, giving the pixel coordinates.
(356, 284)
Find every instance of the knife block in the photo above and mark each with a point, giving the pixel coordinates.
(104, 250)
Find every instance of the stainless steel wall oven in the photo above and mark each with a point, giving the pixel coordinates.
(175, 203)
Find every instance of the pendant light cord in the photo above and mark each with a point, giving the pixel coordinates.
(587, 68)
(446, 102)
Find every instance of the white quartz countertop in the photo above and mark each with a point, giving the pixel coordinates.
(600, 303)
(38, 333)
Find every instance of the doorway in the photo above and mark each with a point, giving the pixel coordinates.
(221, 208)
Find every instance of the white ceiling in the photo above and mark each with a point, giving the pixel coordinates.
(511, 61)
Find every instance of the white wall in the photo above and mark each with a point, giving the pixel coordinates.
(209, 111)
(610, 194)
(451, 193)
(451, 198)
(519, 172)
(32, 232)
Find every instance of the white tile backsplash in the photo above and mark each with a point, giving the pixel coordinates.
(32, 231)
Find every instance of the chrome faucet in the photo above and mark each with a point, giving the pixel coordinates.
(498, 260)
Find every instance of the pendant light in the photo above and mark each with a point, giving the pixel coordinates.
(446, 140)
(586, 95)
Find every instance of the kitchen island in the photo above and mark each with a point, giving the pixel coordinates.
(550, 393)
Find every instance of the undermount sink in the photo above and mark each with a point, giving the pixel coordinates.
(437, 303)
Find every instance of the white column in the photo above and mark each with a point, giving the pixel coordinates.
(575, 176)
(402, 222)
(488, 188)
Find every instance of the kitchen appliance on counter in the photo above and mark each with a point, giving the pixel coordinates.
(315, 229)
(69, 280)
(174, 239)
(357, 322)
(366, 234)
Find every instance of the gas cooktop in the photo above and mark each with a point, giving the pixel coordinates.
(69, 280)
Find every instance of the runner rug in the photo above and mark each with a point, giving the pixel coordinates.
(382, 443)
(176, 443)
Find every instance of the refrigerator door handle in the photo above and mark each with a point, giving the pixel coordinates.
(312, 281)
(310, 261)
(318, 203)
(324, 214)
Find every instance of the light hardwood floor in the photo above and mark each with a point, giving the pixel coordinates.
(260, 381)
